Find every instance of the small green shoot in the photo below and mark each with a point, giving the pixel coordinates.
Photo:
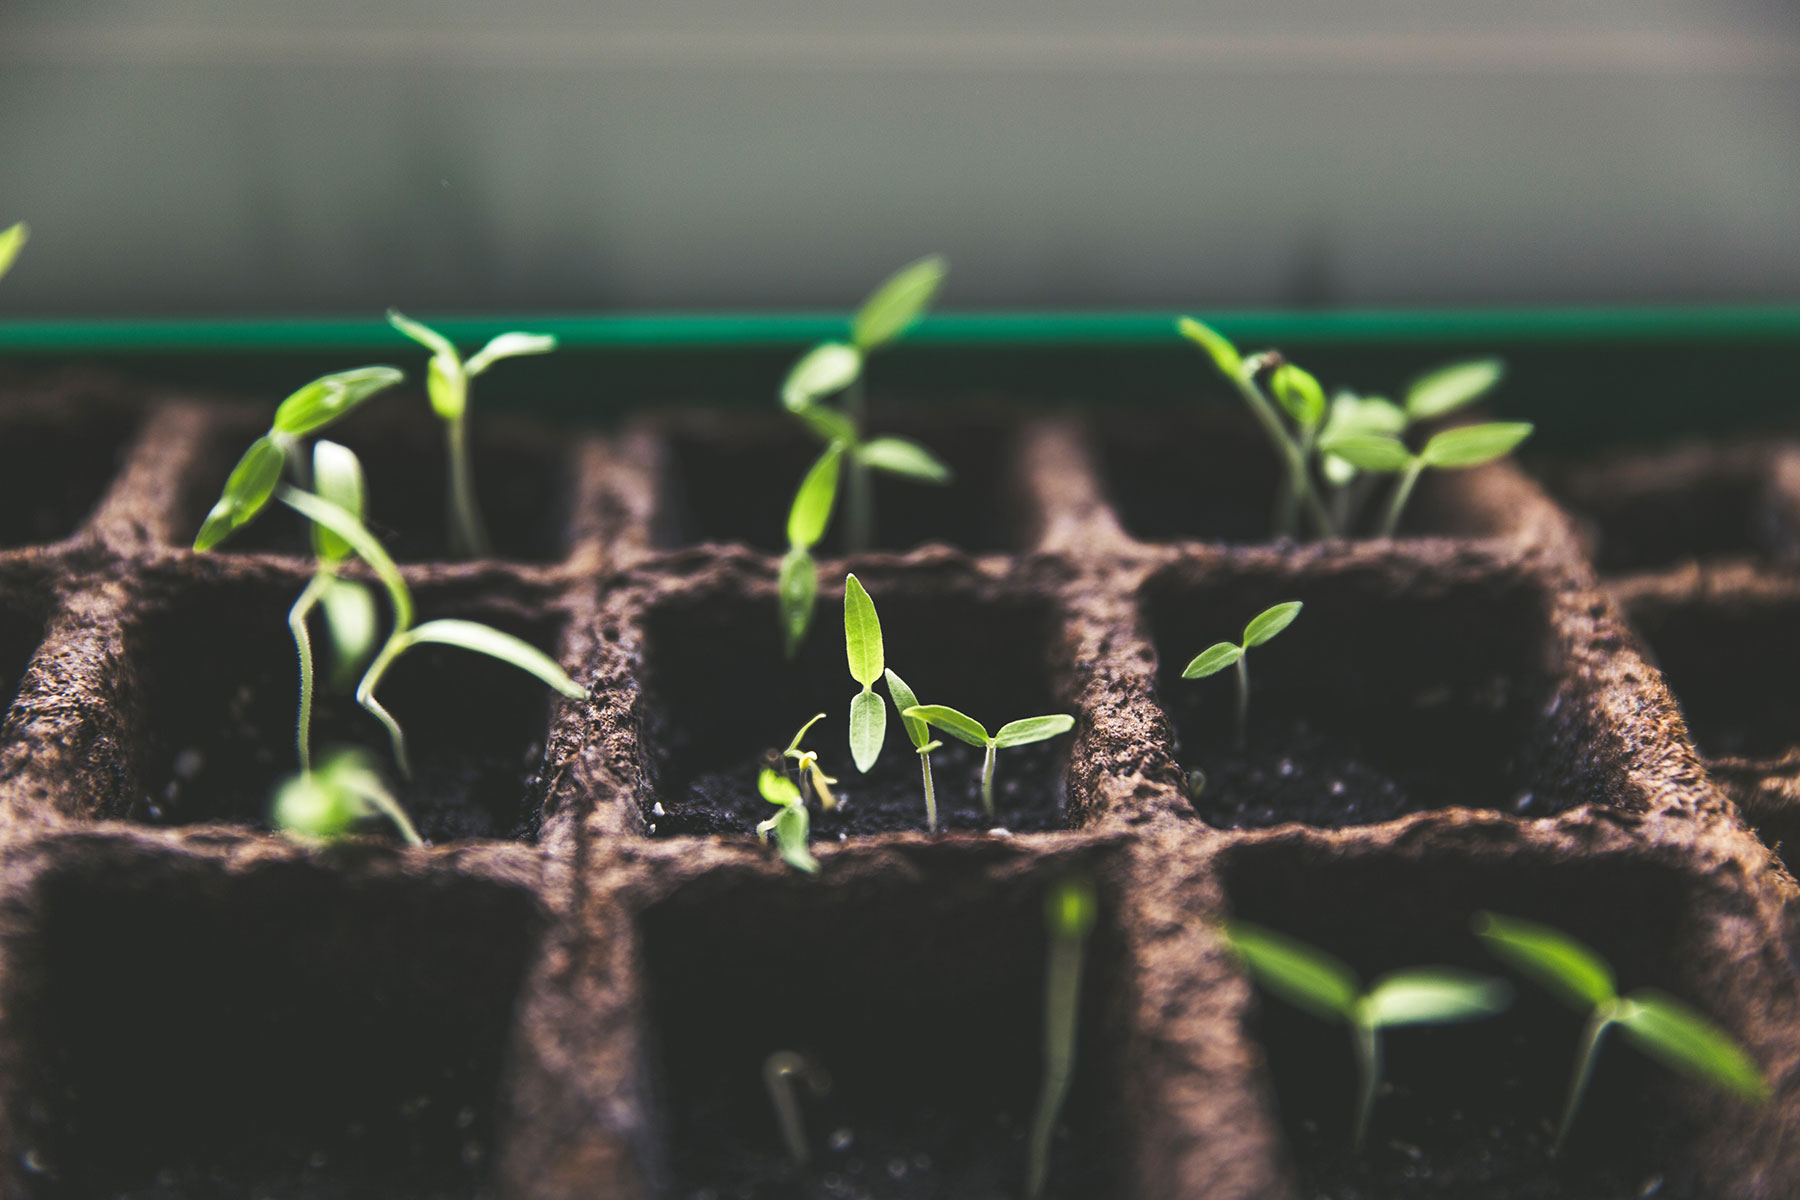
(332, 799)
(12, 240)
(798, 586)
(919, 733)
(1661, 1025)
(1452, 450)
(1215, 658)
(1321, 985)
(791, 825)
(780, 1070)
(862, 646)
(806, 768)
(1069, 913)
(967, 729)
(447, 384)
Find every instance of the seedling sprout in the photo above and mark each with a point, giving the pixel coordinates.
(331, 799)
(919, 733)
(1216, 657)
(1662, 1026)
(967, 729)
(12, 240)
(780, 1070)
(807, 519)
(1069, 912)
(447, 384)
(806, 767)
(1452, 450)
(1321, 985)
(862, 646)
(790, 824)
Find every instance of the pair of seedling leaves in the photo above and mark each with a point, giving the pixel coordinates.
(827, 370)
(1353, 438)
(1660, 1025)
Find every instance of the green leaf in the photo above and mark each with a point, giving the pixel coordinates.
(811, 513)
(777, 788)
(1070, 909)
(508, 345)
(862, 634)
(792, 826)
(797, 590)
(1433, 996)
(827, 368)
(793, 747)
(828, 423)
(1270, 621)
(1447, 389)
(1224, 354)
(485, 639)
(337, 477)
(422, 333)
(1681, 1038)
(308, 805)
(1351, 413)
(1549, 957)
(1472, 445)
(12, 240)
(916, 730)
(447, 386)
(897, 456)
(247, 492)
(1299, 394)
(868, 729)
(351, 623)
(942, 716)
(897, 303)
(330, 397)
(1308, 978)
(371, 551)
(1032, 729)
(1212, 660)
(1369, 452)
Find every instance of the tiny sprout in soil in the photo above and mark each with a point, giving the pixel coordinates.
(12, 240)
(780, 1070)
(1069, 912)
(333, 798)
(919, 733)
(825, 370)
(1215, 658)
(1662, 1026)
(790, 824)
(447, 383)
(1321, 985)
(806, 768)
(1453, 449)
(967, 729)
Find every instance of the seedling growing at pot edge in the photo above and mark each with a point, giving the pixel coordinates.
(1452, 450)
(447, 384)
(791, 825)
(1662, 1026)
(780, 1070)
(1215, 658)
(968, 729)
(1321, 985)
(332, 799)
(1069, 912)
(12, 240)
(806, 767)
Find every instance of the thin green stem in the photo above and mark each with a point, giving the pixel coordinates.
(1367, 1042)
(1299, 480)
(1062, 1005)
(1243, 700)
(297, 615)
(468, 534)
(859, 504)
(1402, 491)
(365, 696)
(780, 1070)
(987, 780)
(1585, 1056)
(930, 792)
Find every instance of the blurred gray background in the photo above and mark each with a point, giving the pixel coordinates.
(186, 156)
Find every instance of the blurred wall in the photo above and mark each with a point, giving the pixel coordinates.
(189, 156)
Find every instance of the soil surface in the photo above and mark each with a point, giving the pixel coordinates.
(60, 452)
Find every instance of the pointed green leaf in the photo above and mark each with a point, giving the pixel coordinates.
(811, 513)
(1299, 394)
(1032, 729)
(1549, 957)
(371, 551)
(508, 345)
(1367, 415)
(1369, 452)
(425, 335)
(247, 492)
(1472, 445)
(1305, 977)
(1449, 388)
(12, 240)
(862, 634)
(1212, 660)
(793, 825)
(897, 303)
(1270, 621)
(827, 368)
(337, 477)
(1682, 1039)
(868, 729)
(330, 397)
(793, 747)
(485, 639)
(777, 788)
(897, 456)
(1224, 355)
(1433, 996)
(942, 716)
(351, 623)
(798, 590)
(917, 731)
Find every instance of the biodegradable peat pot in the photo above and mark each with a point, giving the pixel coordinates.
(570, 994)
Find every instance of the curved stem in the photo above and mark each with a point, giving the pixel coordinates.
(1299, 480)
(930, 792)
(365, 696)
(987, 780)
(1243, 699)
(468, 535)
(1585, 1056)
(315, 587)
(1062, 1004)
(1367, 1041)
(780, 1070)
(1402, 491)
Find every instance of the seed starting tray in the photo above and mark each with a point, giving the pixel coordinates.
(570, 992)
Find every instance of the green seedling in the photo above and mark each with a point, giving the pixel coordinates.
(919, 733)
(1069, 913)
(12, 240)
(330, 800)
(780, 1070)
(1216, 657)
(827, 370)
(806, 767)
(1662, 1026)
(862, 646)
(1321, 985)
(1452, 450)
(447, 384)
(968, 729)
(791, 825)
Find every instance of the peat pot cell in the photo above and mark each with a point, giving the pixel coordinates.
(1469, 1111)
(735, 483)
(54, 472)
(22, 618)
(1206, 473)
(1393, 692)
(722, 701)
(923, 1003)
(291, 1034)
(219, 685)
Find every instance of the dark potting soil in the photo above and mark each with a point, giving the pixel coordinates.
(52, 475)
(1731, 667)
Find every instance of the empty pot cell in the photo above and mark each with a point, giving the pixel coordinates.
(1470, 1111)
(1400, 687)
(288, 1032)
(733, 480)
(1207, 473)
(218, 688)
(722, 702)
(22, 618)
(56, 465)
(920, 998)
